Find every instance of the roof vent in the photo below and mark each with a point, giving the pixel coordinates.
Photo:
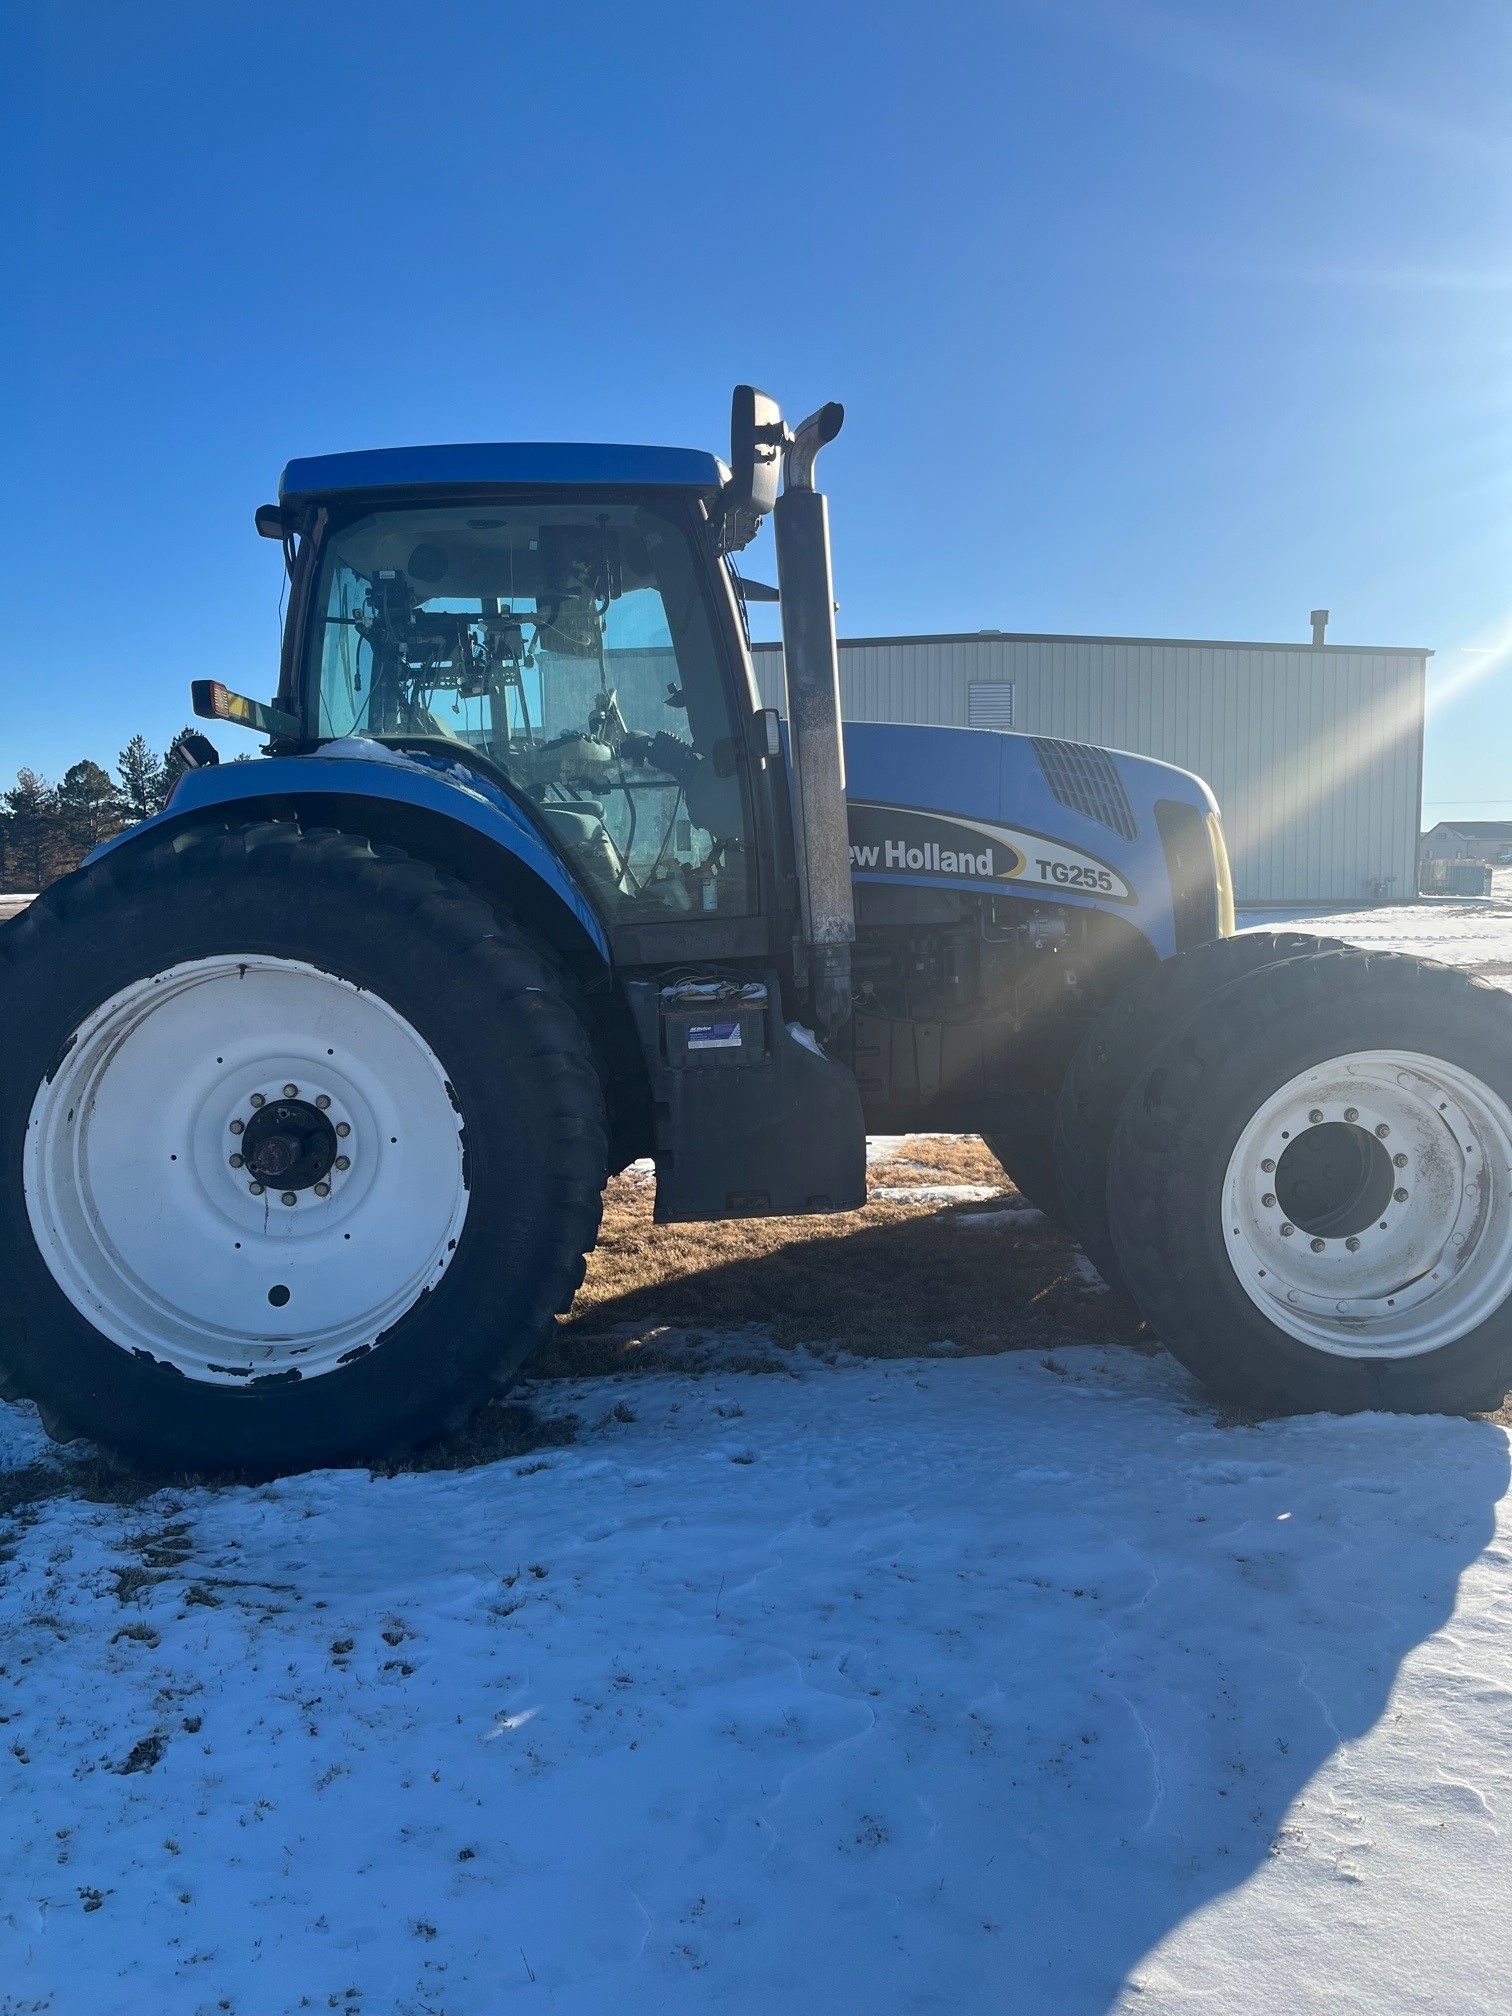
(1319, 621)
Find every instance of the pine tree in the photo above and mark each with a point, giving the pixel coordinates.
(91, 808)
(33, 831)
(141, 775)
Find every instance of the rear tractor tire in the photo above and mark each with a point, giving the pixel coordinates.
(301, 1149)
(1311, 1188)
(1113, 1055)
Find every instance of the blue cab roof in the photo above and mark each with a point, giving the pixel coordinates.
(480, 462)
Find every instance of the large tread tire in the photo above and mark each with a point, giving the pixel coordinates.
(1115, 1051)
(1171, 1150)
(1029, 1162)
(520, 1069)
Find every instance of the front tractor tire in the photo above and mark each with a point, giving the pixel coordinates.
(1114, 1054)
(301, 1150)
(1310, 1188)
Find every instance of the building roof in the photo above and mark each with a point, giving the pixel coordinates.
(537, 463)
(1182, 643)
(1475, 829)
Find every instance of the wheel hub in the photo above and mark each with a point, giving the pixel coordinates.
(1334, 1180)
(1368, 1205)
(290, 1143)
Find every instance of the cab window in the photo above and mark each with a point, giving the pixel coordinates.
(569, 651)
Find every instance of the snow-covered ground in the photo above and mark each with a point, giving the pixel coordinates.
(987, 1685)
(1476, 935)
(950, 1685)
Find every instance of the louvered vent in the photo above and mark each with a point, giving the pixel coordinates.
(1086, 779)
(989, 703)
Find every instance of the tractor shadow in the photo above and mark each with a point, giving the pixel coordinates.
(1170, 1687)
(897, 1279)
(1225, 1678)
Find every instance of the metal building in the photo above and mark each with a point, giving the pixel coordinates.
(1315, 751)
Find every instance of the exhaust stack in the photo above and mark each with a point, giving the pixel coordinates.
(811, 661)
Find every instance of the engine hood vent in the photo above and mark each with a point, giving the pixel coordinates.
(1086, 779)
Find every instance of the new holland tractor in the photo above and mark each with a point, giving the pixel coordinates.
(311, 1084)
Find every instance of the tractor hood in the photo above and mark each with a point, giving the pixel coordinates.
(964, 807)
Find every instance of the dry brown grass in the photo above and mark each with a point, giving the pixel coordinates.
(895, 1279)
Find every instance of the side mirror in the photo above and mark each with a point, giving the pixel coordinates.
(757, 439)
(193, 751)
(270, 522)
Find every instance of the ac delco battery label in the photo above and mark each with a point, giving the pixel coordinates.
(714, 1036)
(890, 840)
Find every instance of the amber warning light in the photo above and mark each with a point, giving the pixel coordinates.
(214, 702)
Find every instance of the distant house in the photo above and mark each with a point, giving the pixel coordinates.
(1488, 840)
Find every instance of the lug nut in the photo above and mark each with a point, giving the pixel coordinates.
(322, 1189)
(323, 1100)
(238, 1126)
(1267, 1165)
(1382, 1131)
(256, 1189)
(236, 1162)
(343, 1129)
(290, 1197)
(1351, 1112)
(1400, 1196)
(1353, 1245)
(1316, 1115)
(1400, 1161)
(345, 1162)
(258, 1099)
(291, 1091)
(1317, 1245)
(1268, 1200)
(1287, 1231)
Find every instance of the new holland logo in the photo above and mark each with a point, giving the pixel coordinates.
(893, 840)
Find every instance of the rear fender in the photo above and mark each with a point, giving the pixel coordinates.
(438, 812)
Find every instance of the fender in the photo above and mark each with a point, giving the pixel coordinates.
(458, 820)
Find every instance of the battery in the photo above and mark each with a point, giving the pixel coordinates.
(714, 1025)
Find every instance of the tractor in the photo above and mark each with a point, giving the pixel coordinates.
(310, 1084)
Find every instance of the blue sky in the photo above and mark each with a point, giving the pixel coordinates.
(1150, 322)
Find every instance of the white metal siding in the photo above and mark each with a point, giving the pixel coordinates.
(1315, 754)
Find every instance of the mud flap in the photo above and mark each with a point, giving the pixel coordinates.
(751, 1119)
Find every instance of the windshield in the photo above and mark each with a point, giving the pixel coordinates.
(566, 649)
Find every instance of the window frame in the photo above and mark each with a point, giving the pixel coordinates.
(634, 939)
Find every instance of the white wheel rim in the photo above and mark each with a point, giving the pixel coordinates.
(1411, 1246)
(161, 1241)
